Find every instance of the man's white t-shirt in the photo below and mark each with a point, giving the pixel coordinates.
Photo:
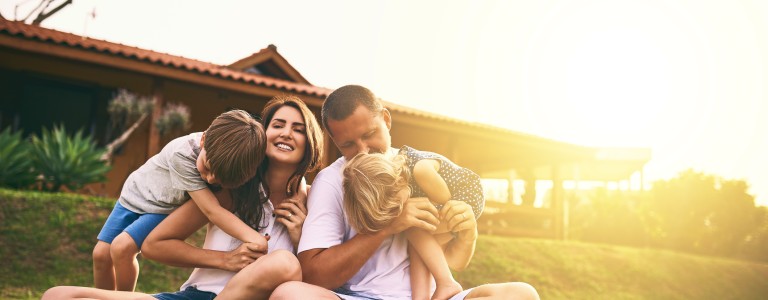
(386, 273)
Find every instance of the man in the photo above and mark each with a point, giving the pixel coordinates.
(338, 263)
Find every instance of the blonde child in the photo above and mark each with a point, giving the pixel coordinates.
(226, 155)
(375, 188)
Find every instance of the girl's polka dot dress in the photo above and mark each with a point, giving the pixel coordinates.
(463, 184)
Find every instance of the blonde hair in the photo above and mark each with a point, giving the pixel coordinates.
(371, 186)
(234, 145)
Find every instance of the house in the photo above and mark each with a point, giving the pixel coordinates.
(52, 77)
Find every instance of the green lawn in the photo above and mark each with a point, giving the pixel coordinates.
(573, 270)
(46, 240)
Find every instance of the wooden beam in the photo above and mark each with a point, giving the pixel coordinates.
(157, 111)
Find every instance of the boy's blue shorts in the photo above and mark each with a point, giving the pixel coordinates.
(190, 293)
(138, 226)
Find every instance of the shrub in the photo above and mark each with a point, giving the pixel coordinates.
(15, 166)
(67, 161)
(126, 108)
(174, 119)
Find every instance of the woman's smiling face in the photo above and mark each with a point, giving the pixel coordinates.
(286, 136)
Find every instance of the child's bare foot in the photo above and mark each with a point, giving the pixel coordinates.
(446, 290)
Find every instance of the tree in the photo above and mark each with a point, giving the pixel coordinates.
(126, 112)
(700, 213)
(41, 12)
(606, 216)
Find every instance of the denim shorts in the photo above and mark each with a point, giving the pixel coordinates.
(190, 293)
(138, 226)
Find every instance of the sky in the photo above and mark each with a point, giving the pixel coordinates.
(683, 78)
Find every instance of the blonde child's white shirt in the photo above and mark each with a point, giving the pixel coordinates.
(386, 273)
(214, 280)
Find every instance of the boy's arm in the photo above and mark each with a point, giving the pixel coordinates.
(426, 176)
(225, 219)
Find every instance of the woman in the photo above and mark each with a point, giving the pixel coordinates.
(224, 266)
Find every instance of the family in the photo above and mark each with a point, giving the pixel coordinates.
(378, 223)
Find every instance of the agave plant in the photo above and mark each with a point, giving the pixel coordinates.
(67, 161)
(15, 162)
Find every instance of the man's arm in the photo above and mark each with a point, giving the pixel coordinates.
(332, 267)
(461, 221)
(166, 244)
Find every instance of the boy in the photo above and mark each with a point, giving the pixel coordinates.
(226, 155)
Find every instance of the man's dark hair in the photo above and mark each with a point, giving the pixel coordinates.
(342, 102)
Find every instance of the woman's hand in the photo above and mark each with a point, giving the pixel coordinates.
(292, 213)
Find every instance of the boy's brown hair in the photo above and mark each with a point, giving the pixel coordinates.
(235, 146)
(371, 186)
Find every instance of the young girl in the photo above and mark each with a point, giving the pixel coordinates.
(272, 201)
(375, 188)
(225, 155)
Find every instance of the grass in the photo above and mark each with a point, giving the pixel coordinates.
(46, 240)
(574, 270)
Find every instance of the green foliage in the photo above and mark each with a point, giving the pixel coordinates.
(15, 165)
(608, 217)
(702, 213)
(46, 239)
(175, 119)
(574, 270)
(755, 246)
(67, 161)
(693, 212)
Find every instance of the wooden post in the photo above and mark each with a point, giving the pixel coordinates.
(558, 203)
(511, 188)
(157, 110)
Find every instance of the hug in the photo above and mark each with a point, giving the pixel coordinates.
(378, 223)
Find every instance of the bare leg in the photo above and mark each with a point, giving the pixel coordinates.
(434, 258)
(260, 278)
(103, 270)
(509, 290)
(420, 277)
(124, 252)
(302, 290)
(78, 292)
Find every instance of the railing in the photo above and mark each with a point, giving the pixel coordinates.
(520, 221)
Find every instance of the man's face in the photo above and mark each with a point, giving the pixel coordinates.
(362, 132)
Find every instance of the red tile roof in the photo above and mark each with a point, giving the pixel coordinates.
(32, 32)
(19, 29)
(270, 53)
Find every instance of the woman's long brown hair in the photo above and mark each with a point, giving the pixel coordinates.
(252, 212)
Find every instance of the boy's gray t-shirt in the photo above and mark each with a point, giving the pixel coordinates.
(161, 184)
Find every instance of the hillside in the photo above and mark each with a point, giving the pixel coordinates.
(46, 240)
(573, 270)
